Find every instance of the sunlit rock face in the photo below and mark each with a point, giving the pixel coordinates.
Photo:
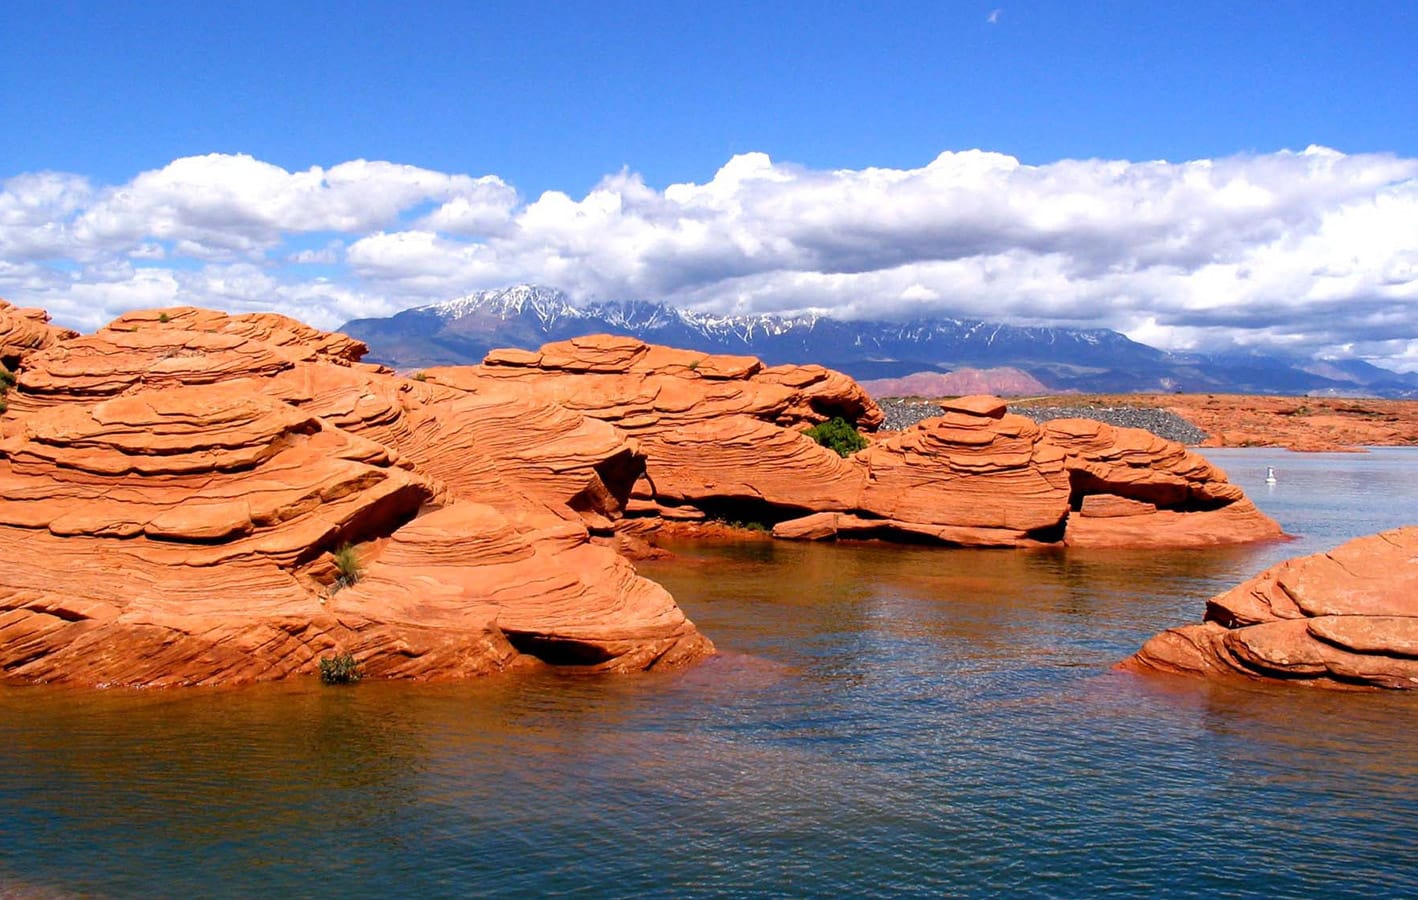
(173, 490)
(1347, 618)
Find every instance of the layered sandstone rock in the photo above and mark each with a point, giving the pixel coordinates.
(644, 388)
(978, 476)
(973, 476)
(1131, 488)
(1343, 619)
(178, 481)
(721, 438)
(23, 331)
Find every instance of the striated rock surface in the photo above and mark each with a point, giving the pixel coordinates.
(1343, 619)
(720, 435)
(979, 476)
(23, 331)
(1131, 488)
(177, 482)
(643, 388)
(974, 476)
(721, 439)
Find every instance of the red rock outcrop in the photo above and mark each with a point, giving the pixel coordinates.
(1343, 619)
(721, 438)
(180, 479)
(975, 476)
(23, 331)
(643, 388)
(1131, 488)
(978, 476)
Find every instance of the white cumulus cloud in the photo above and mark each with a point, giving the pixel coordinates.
(1309, 250)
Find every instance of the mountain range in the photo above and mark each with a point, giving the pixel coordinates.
(463, 330)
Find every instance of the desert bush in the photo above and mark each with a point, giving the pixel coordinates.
(342, 668)
(838, 435)
(348, 564)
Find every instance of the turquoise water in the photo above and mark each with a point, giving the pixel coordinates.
(884, 721)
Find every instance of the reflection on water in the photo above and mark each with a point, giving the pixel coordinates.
(884, 720)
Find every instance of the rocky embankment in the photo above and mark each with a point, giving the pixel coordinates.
(902, 413)
(1343, 619)
(1296, 423)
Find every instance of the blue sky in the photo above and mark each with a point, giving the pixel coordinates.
(561, 97)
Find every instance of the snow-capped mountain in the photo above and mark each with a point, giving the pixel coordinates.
(463, 330)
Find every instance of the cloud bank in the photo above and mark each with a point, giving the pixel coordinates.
(1312, 251)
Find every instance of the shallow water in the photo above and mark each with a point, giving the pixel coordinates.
(883, 721)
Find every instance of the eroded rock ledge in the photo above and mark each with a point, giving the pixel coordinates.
(1347, 618)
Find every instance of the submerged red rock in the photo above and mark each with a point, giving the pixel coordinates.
(1347, 618)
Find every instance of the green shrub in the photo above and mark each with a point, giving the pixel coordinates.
(348, 564)
(420, 376)
(838, 435)
(341, 668)
(748, 525)
(163, 318)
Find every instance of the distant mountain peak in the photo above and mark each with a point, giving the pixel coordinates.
(547, 303)
(464, 329)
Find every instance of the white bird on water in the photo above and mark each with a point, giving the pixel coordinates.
(1270, 474)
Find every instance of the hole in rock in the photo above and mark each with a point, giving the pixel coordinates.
(749, 512)
(557, 651)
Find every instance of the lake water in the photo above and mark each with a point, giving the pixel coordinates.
(884, 721)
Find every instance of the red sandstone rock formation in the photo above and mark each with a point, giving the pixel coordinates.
(644, 388)
(176, 484)
(181, 477)
(721, 439)
(720, 436)
(978, 476)
(1133, 489)
(1343, 619)
(26, 330)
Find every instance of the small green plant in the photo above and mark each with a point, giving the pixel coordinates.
(164, 318)
(420, 376)
(748, 526)
(838, 435)
(7, 381)
(348, 565)
(342, 668)
(694, 366)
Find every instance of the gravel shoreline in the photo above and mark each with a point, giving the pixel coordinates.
(901, 414)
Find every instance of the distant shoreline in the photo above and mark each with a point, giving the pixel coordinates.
(1306, 424)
